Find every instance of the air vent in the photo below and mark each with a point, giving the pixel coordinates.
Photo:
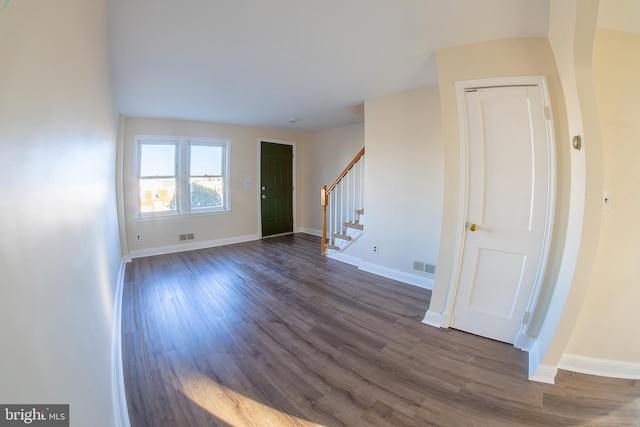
(188, 236)
(424, 267)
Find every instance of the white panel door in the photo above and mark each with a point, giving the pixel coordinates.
(508, 194)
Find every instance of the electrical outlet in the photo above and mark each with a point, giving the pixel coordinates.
(375, 249)
(138, 237)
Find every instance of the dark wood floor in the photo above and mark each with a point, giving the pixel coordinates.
(270, 333)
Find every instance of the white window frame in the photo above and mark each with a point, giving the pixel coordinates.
(206, 142)
(156, 140)
(183, 174)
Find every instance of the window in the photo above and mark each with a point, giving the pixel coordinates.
(158, 180)
(206, 176)
(178, 176)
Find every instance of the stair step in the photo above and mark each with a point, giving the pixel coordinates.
(341, 236)
(333, 247)
(353, 224)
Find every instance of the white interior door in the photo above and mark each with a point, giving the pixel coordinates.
(507, 209)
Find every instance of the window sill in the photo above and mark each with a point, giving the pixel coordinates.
(161, 217)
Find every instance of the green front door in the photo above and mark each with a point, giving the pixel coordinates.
(276, 188)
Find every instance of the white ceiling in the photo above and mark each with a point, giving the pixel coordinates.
(262, 62)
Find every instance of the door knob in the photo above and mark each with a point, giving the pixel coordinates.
(473, 227)
(264, 197)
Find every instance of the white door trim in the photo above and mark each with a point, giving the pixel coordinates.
(258, 175)
(522, 341)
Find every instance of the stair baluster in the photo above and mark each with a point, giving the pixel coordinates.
(341, 222)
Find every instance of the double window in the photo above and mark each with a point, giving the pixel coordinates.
(181, 175)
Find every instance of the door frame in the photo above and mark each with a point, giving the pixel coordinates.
(522, 341)
(258, 177)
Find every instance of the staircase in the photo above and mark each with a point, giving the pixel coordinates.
(350, 232)
(342, 208)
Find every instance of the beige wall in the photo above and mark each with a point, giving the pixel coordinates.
(322, 157)
(606, 328)
(59, 247)
(403, 179)
(160, 235)
(572, 26)
(517, 57)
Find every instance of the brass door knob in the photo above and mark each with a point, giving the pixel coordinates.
(473, 227)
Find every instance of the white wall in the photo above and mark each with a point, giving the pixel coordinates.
(59, 247)
(162, 235)
(403, 180)
(322, 157)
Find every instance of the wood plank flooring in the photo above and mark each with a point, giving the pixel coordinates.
(270, 333)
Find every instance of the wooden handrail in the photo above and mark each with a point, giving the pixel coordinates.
(345, 171)
(324, 199)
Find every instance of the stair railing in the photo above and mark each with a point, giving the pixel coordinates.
(342, 200)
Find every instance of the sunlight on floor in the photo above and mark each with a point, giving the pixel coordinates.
(229, 406)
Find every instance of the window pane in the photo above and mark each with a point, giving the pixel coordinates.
(206, 193)
(157, 195)
(157, 160)
(206, 160)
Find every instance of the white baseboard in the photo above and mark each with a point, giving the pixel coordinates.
(600, 367)
(400, 276)
(193, 246)
(347, 259)
(119, 396)
(544, 374)
(313, 232)
(433, 319)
